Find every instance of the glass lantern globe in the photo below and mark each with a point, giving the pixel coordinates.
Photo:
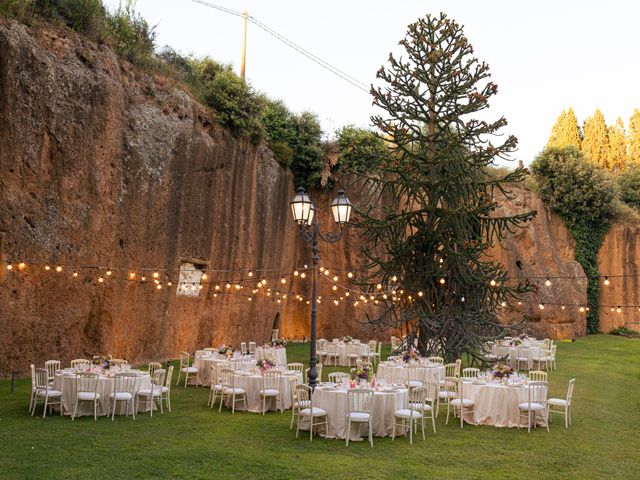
(302, 208)
(341, 208)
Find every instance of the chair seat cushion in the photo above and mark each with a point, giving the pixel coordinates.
(421, 406)
(235, 391)
(189, 369)
(145, 392)
(464, 401)
(121, 395)
(217, 387)
(406, 413)
(557, 401)
(359, 416)
(317, 412)
(446, 394)
(269, 392)
(88, 396)
(414, 383)
(49, 393)
(531, 406)
(164, 389)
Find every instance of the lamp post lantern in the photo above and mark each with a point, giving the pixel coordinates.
(304, 213)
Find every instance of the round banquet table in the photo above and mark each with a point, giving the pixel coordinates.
(277, 354)
(334, 401)
(203, 363)
(496, 404)
(252, 384)
(66, 383)
(344, 349)
(393, 372)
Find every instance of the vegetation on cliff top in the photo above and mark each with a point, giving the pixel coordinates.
(297, 140)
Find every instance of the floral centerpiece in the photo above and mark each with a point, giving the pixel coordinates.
(363, 373)
(225, 350)
(265, 364)
(346, 339)
(523, 337)
(279, 342)
(410, 355)
(502, 371)
(514, 342)
(103, 361)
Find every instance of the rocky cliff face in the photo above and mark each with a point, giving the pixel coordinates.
(103, 166)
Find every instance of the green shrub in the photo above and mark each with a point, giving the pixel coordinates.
(283, 153)
(307, 149)
(575, 188)
(85, 16)
(629, 183)
(624, 331)
(360, 149)
(132, 37)
(21, 10)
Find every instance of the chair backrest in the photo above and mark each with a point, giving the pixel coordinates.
(572, 384)
(274, 334)
(158, 377)
(394, 344)
(355, 341)
(379, 350)
(438, 360)
(372, 345)
(226, 377)
(319, 371)
(86, 382)
(451, 385)
(502, 351)
(252, 347)
(184, 359)
(303, 393)
(219, 367)
(209, 349)
(153, 366)
(470, 372)
(547, 343)
(52, 366)
(119, 362)
(553, 351)
(293, 383)
(523, 352)
(360, 400)
(271, 379)
(450, 369)
(417, 373)
(331, 348)
(538, 392)
(213, 368)
(336, 377)
(537, 376)
(41, 378)
(418, 396)
(125, 382)
(298, 367)
(33, 377)
(243, 348)
(80, 363)
(169, 375)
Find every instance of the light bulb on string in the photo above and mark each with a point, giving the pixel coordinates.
(155, 275)
(204, 276)
(613, 309)
(541, 306)
(618, 310)
(563, 307)
(9, 267)
(547, 282)
(228, 285)
(394, 279)
(326, 272)
(379, 286)
(303, 275)
(606, 280)
(168, 284)
(581, 309)
(335, 278)
(283, 281)
(47, 267)
(58, 269)
(217, 287)
(22, 266)
(420, 294)
(335, 287)
(350, 275)
(296, 273)
(492, 282)
(100, 279)
(442, 281)
(108, 273)
(132, 275)
(75, 274)
(159, 287)
(144, 278)
(346, 294)
(321, 269)
(238, 286)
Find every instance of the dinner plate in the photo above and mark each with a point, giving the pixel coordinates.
(516, 385)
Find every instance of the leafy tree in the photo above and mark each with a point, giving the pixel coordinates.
(280, 130)
(429, 215)
(618, 156)
(596, 140)
(634, 137)
(307, 149)
(359, 149)
(629, 182)
(566, 131)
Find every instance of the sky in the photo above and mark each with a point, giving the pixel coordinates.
(545, 55)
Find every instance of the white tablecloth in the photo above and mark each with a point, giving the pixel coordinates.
(278, 354)
(334, 401)
(203, 364)
(395, 373)
(67, 384)
(496, 404)
(531, 352)
(252, 383)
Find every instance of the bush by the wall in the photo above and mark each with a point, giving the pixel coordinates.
(360, 149)
(629, 182)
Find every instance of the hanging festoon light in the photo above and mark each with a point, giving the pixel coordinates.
(341, 208)
(606, 281)
(547, 282)
(302, 208)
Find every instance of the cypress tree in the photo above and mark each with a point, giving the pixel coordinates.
(566, 131)
(634, 137)
(596, 140)
(618, 156)
(429, 215)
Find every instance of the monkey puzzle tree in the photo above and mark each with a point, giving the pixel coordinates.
(429, 215)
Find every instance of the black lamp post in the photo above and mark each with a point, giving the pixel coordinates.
(304, 213)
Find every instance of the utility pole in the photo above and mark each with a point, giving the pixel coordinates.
(243, 58)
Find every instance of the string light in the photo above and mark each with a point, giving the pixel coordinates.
(75, 274)
(47, 267)
(492, 282)
(562, 307)
(100, 279)
(144, 279)
(204, 276)
(350, 274)
(155, 275)
(394, 279)
(22, 266)
(132, 275)
(547, 282)
(158, 286)
(303, 275)
(9, 267)
(606, 280)
(283, 281)
(442, 281)
(321, 269)
(335, 278)
(618, 310)
(109, 272)
(326, 272)
(296, 273)
(541, 306)
(581, 309)
(379, 286)
(228, 285)
(250, 274)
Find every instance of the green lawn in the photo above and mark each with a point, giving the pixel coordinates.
(196, 442)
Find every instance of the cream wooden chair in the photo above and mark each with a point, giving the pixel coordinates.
(297, 367)
(470, 372)
(274, 334)
(418, 407)
(427, 406)
(33, 387)
(372, 357)
(551, 358)
(125, 387)
(337, 377)
(165, 391)
(438, 360)
(187, 369)
(153, 394)
(563, 404)
(359, 405)
(305, 409)
(252, 348)
(153, 366)
(271, 388)
(539, 357)
(52, 366)
(451, 370)
(209, 349)
(459, 403)
(354, 352)
(395, 343)
(318, 372)
(537, 403)
(81, 364)
(235, 394)
(330, 354)
(537, 376)
(46, 392)
(416, 376)
(522, 357)
(216, 386)
(86, 391)
(119, 362)
(243, 348)
(295, 402)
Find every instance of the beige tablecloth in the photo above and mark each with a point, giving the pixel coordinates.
(496, 404)
(343, 350)
(203, 363)
(67, 384)
(394, 373)
(334, 401)
(278, 354)
(252, 384)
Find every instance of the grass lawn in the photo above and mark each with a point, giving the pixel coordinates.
(196, 442)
